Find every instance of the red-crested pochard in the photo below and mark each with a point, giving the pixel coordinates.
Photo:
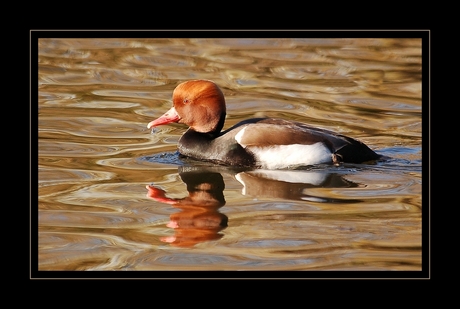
(267, 143)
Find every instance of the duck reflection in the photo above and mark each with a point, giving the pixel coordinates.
(199, 218)
(291, 184)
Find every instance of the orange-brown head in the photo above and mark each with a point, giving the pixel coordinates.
(200, 104)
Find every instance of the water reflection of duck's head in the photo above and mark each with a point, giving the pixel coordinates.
(199, 219)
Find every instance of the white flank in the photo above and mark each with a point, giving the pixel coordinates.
(286, 156)
(239, 135)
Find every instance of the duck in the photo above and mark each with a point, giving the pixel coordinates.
(262, 143)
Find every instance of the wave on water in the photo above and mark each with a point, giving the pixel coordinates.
(165, 158)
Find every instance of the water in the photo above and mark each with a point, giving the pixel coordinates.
(112, 195)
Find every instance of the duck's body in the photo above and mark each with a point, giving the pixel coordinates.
(259, 142)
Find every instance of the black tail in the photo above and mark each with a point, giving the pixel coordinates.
(356, 152)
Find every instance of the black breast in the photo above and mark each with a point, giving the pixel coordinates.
(221, 149)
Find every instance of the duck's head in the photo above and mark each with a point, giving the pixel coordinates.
(200, 104)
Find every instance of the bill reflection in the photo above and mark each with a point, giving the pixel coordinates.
(198, 219)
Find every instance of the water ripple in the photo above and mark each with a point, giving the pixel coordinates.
(96, 156)
(53, 175)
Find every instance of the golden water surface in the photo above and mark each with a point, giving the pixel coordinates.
(113, 195)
